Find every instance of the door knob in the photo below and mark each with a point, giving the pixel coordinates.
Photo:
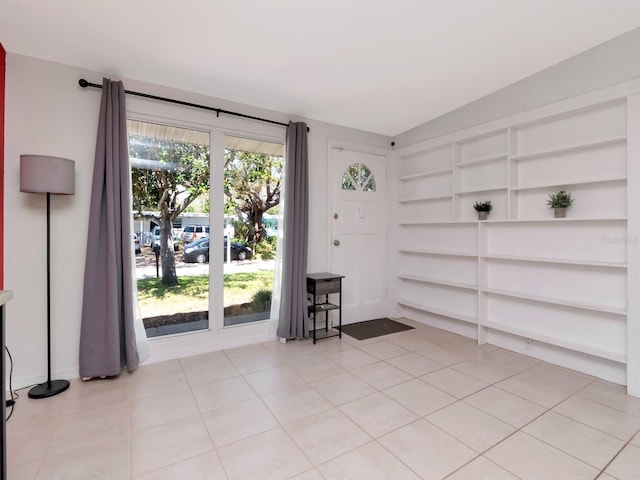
(336, 242)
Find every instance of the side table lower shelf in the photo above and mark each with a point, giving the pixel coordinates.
(319, 287)
(325, 329)
(321, 333)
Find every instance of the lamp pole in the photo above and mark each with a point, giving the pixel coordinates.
(48, 290)
(51, 387)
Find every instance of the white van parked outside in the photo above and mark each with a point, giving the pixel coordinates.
(191, 233)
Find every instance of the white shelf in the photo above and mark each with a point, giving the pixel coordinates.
(437, 252)
(584, 182)
(438, 222)
(557, 220)
(492, 158)
(577, 347)
(435, 281)
(438, 311)
(480, 190)
(561, 261)
(555, 301)
(425, 199)
(432, 173)
(573, 148)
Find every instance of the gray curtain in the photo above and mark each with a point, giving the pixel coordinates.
(294, 316)
(107, 337)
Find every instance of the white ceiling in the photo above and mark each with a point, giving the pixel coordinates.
(379, 66)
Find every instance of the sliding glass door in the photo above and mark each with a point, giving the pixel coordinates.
(205, 227)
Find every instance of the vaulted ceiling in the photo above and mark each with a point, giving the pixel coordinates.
(374, 65)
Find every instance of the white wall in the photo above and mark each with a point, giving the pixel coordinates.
(611, 63)
(48, 113)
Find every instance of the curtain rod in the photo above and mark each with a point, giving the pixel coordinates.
(83, 83)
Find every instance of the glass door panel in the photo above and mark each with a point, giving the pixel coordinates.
(170, 186)
(252, 182)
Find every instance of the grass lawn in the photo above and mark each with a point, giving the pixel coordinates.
(192, 292)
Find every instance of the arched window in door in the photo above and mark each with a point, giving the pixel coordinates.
(358, 177)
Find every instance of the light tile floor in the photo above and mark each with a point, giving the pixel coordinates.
(419, 404)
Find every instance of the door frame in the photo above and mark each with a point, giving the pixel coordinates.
(334, 144)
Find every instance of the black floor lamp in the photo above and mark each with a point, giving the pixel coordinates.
(53, 176)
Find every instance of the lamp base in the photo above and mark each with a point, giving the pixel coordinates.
(47, 389)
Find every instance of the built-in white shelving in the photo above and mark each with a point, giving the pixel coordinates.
(438, 311)
(435, 281)
(550, 220)
(522, 272)
(570, 149)
(432, 173)
(438, 222)
(575, 346)
(480, 190)
(437, 252)
(478, 161)
(426, 198)
(563, 261)
(616, 178)
(556, 301)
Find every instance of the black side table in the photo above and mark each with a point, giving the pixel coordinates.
(319, 286)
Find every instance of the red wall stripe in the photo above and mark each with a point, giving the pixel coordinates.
(3, 68)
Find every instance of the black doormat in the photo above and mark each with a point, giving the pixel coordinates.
(374, 328)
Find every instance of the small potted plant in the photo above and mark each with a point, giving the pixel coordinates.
(560, 201)
(483, 209)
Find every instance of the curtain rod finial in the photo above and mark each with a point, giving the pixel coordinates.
(83, 83)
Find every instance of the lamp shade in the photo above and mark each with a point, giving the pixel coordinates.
(44, 174)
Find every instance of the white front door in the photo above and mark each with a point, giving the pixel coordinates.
(358, 231)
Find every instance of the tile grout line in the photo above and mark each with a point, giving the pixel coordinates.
(281, 425)
(381, 391)
(199, 414)
(627, 443)
(550, 409)
(337, 408)
(333, 407)
(520, 429)
(204, 423)
(596, 380)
